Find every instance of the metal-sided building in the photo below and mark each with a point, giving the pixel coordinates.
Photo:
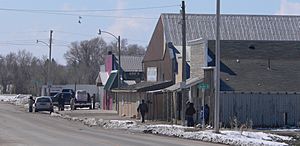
(260, 72)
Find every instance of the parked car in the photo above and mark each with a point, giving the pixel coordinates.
(82, 99)
(66, 95)
(43, 103)
(68, 91)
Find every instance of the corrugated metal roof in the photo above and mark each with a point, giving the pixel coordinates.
(132, 63)
(233, 27)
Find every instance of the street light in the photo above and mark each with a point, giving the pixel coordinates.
(119, 50)
(50, 60)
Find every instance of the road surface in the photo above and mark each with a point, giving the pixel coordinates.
(19, 128)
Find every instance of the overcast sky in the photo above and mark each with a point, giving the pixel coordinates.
(25, 21)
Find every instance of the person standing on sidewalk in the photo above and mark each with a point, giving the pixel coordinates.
(61, 102)
(30, 103)
(143, 109)
(94, 101)
(190, 111)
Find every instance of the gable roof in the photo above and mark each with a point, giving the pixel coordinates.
(233, 27)
(132, 63)
(259, 66)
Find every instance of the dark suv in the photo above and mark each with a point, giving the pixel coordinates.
(66, 95)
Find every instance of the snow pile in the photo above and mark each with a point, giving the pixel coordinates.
(86, 121)
(225, 137)
(117, 124)
(285, 130)
(21, 100)
(53, 114)
(7, 98)
(90, 121)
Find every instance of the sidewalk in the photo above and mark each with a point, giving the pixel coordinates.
(105, 115)
(96, 113)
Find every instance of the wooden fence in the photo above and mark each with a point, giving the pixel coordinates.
(262, 109)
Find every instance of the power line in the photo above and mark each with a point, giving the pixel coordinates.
(95, 10)
(86, 15)
(67, 12)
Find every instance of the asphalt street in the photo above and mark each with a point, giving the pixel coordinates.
(19, 128)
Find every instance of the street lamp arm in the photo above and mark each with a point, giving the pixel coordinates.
(101, 31)
(39, 41)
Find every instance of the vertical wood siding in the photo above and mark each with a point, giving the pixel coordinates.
(264, 110)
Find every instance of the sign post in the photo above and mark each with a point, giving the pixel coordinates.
(203, 86)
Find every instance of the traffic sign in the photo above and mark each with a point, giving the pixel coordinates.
(203, 86)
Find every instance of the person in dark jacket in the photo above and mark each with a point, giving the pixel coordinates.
(206, 113)
(94, 100)
(190, 111)
(61, 102)
(143, 109)
(30, 103)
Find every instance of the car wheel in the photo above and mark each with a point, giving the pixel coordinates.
(35, 110)
(90, 107)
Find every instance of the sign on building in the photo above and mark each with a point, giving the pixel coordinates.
(152, 74)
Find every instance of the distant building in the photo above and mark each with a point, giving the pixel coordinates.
(131, 73)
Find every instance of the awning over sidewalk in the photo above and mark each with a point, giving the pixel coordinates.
(111, 81)
(144, 86)
(189, 83)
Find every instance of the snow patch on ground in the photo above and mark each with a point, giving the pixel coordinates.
(287, 130)
(228, 137)
(20, 99)
(225, 137)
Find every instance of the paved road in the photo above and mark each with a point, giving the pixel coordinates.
(18, 128)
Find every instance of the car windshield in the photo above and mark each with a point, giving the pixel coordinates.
(43, 100)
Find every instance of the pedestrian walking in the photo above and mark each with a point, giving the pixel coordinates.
(143, 109)
(190, 111)
(30, 104)
(94, 100)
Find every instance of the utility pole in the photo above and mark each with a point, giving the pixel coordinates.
(183, 104)
(217, 71)
(119, 72)
(119, 66)
(50, 63)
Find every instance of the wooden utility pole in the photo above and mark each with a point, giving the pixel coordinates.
(217, 71)
(50, 63)
(183, 104)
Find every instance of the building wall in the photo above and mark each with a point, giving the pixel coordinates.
(157, 55)
(264, 109)
(198, 58)
(164, 68)
(129, 102)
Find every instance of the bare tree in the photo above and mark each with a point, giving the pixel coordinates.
(84, 59)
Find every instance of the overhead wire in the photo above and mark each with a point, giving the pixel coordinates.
(68, 12)
(95, 10)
